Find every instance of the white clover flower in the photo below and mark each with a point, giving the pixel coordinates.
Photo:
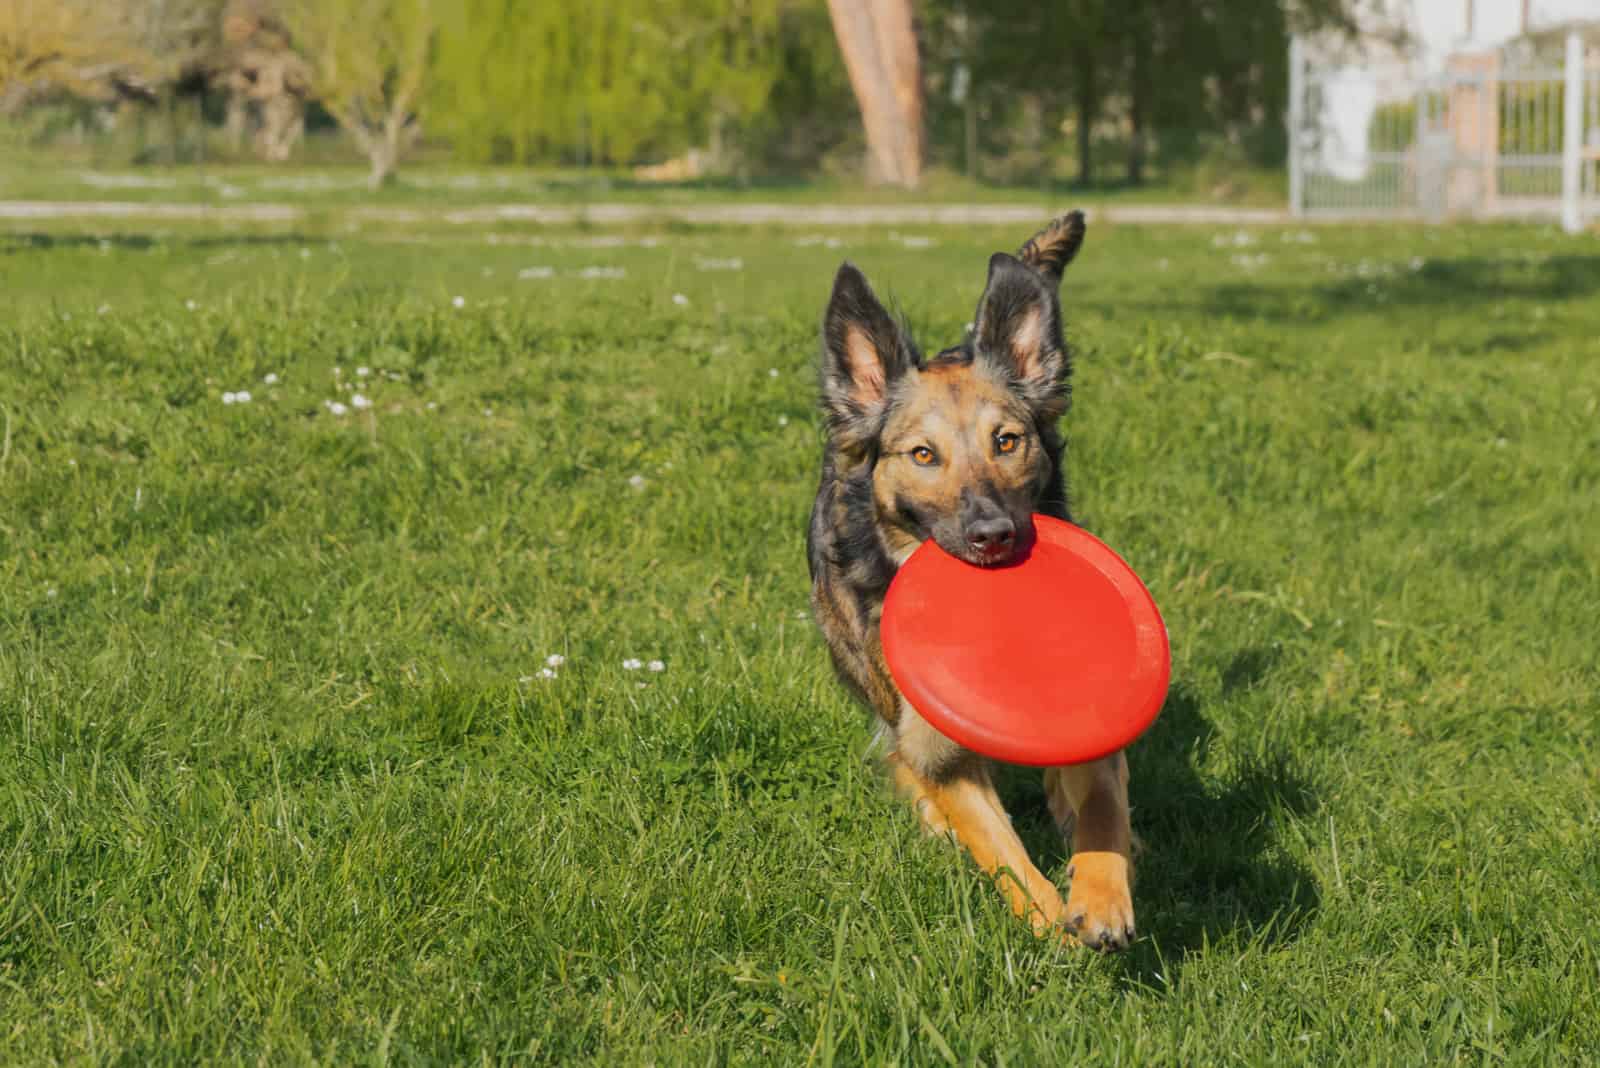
(555, 660)
(458, 302)
(191, 305)
(772, 372)
(783, 420)
(432, 405)
(363, 371)
(229, 397)
(104, 309)
(358, 400)
(270, 378)
(632, 664)
(242, 397)
(656, 665)
(335, 407)
(680, 300)
(547, 673)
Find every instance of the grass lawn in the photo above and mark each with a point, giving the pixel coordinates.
(281, 780)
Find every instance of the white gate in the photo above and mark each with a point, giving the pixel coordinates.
(1482, 138)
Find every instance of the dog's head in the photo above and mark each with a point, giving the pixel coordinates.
(959, 447)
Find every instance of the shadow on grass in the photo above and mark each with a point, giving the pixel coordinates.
(14, 243)
(1438, 283)
(1207, 871)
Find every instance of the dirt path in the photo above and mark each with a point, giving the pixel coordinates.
(620, 214)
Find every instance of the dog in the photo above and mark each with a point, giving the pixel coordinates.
(962, 448)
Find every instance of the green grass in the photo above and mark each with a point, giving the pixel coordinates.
(279, 782)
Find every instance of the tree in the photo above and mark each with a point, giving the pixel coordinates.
(609, 79)
(1143, 68)
(84, 47)
(266, 80)
(368, 61)
(878, 41)
(179, 36)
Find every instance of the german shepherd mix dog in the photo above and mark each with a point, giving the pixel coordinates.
(962, 448)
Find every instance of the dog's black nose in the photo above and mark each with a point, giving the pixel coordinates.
(991, 537)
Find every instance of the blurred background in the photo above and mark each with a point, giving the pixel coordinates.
(1171, 99)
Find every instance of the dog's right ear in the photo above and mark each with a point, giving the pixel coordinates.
(863, 353)
(1051, 249)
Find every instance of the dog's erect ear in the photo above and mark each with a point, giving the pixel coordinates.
(1018, 331)
(863, 352)
(1051, 249)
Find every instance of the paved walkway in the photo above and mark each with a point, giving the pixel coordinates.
(602, 214)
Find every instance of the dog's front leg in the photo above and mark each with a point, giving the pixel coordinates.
(1090, 803)
(964, 803)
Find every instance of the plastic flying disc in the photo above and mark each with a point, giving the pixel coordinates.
(1058, 658)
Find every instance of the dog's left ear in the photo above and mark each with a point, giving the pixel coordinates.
(1018, 331)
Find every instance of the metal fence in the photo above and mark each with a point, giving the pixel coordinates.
(1482, 138)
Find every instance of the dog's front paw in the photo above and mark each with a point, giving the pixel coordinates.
(1099, 911)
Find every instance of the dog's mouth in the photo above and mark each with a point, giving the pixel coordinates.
(993, 554)
(990, 557)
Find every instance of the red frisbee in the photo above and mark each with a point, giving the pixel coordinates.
(1059, 658)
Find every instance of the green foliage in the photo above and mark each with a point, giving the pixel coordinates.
(1172, 77)
(520, 80)
(749, 86)
(369, 62)
(74, 46)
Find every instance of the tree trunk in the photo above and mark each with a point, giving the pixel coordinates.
(387, 143)
(878, 41)
(1088, 109)
(972, 134)
(238, 118)
(1138, 94)
(1033, 137)
(283, 122)
(382, 153)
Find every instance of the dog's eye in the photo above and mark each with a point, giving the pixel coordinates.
(923, 456)
(1007, 442)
